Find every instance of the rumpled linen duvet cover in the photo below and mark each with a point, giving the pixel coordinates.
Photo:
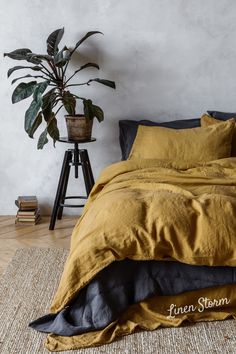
(154, 210)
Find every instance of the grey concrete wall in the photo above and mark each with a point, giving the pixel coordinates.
(171, 59)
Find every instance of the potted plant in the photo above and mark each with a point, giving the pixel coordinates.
(51, 90)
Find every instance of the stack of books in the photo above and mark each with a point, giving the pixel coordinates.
(28, 212)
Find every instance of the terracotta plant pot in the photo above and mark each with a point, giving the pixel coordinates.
(78, 127)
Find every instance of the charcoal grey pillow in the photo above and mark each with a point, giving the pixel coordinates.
(128, 130)
(222, 115)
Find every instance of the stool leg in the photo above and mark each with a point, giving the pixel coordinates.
(66, 162)
(76, 159)
(63, 193)
(90, 173)
(87, 171)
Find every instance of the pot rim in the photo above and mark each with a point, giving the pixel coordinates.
(75, 115)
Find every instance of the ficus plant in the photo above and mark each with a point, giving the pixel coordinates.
(50, 88)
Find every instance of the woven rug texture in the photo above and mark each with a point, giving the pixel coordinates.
(27, 288)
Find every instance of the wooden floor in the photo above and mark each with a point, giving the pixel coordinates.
(14, 236)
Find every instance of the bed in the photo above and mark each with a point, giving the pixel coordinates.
(156, 244)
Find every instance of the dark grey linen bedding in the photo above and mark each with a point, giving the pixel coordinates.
(127, 282)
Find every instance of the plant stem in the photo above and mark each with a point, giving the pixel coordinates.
(80, 98)
(54, 70)
(64, 70)
(59, 109)
(49, 74)
(71, 77)
(84, 83)
(56, 102)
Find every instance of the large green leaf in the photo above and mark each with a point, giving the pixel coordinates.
(25, 77)
(31, 58)
(18, 54)
(84, 38)
(62, 57)
(105, 82)
(91, 111)
(36, 104)
(36, 123)
(47, 103)
(23, 54)
(31, 114)
(42, 139)
(35, 68)
(88, 109)
(23, 91)
(98, 113)
(88, 65)
(53, 41)
(38, 57)
(52, 129)
(39, 90)
(69, 102)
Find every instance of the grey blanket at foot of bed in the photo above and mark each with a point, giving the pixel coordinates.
(125, 283)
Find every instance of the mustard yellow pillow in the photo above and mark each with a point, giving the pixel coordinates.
(207, 121)
(196, 144)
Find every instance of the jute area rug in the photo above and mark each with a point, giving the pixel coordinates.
(27, 288)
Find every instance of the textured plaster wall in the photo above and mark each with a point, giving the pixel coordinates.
(171, 59)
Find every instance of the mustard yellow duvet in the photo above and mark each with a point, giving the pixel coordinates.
(154, 210)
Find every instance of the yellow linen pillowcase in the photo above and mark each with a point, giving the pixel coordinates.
(206, 121)
(195, 144)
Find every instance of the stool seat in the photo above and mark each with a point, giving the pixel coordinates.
(82, 141)
(77, 158)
